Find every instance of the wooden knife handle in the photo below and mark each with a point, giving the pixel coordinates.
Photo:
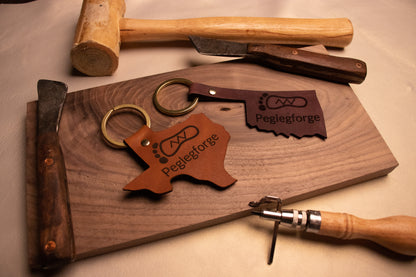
(55, 226)
(334, 32)
(397, 233)
(327, 67)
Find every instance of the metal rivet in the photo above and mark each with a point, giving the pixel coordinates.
(359, 65)
(145, 142)
(294, 52)
(48, 161)
(50, 246)
(212, 92)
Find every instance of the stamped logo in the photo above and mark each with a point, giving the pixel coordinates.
(273, 102)
(171, 145)
(296, 113)
(196, 147)
(287, 113)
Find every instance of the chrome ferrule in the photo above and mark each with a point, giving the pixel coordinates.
(300, 220)
(314, 221)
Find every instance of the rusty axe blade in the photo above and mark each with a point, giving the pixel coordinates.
(55, 226)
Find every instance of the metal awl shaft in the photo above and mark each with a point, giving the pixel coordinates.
(265, 201)
(301, 220)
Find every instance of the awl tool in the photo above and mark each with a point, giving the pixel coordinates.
(397, 233)
(293, 60)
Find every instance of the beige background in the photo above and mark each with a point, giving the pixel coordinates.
(35, 40)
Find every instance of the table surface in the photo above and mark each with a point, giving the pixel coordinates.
(36, 38)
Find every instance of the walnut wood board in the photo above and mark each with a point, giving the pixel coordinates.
(106, 218)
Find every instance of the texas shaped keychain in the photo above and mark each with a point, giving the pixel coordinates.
(195, 147)
(296, 113)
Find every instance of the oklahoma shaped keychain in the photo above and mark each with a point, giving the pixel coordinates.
(195, 147)
(296, 113)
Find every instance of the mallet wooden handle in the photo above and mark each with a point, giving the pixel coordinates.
(397, 233)
(334, 32)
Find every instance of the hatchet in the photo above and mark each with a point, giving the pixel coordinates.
(101, 28)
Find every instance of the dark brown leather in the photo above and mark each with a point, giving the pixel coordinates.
(296, 113)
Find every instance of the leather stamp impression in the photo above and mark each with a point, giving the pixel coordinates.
(287, 113)
(195, 147)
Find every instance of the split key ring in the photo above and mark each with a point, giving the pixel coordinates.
(179, 112)
(118, 109)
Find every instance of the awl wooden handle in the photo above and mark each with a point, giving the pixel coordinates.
(397, 233)
(334, 32)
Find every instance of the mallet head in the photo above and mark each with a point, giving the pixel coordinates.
(96, 45)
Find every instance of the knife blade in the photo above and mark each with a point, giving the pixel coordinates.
(292, 60)
(55, 224)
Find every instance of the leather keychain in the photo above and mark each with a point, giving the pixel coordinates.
(195, 147)
(296, 113)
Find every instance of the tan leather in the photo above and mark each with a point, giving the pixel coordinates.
(195, 147)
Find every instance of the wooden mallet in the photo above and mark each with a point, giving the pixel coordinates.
(101, 28)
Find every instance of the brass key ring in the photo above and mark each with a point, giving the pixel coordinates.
(163, 110)
(117, 109)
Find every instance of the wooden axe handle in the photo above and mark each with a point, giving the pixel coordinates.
(333, 32)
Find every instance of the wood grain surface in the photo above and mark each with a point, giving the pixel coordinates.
(106, 218)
